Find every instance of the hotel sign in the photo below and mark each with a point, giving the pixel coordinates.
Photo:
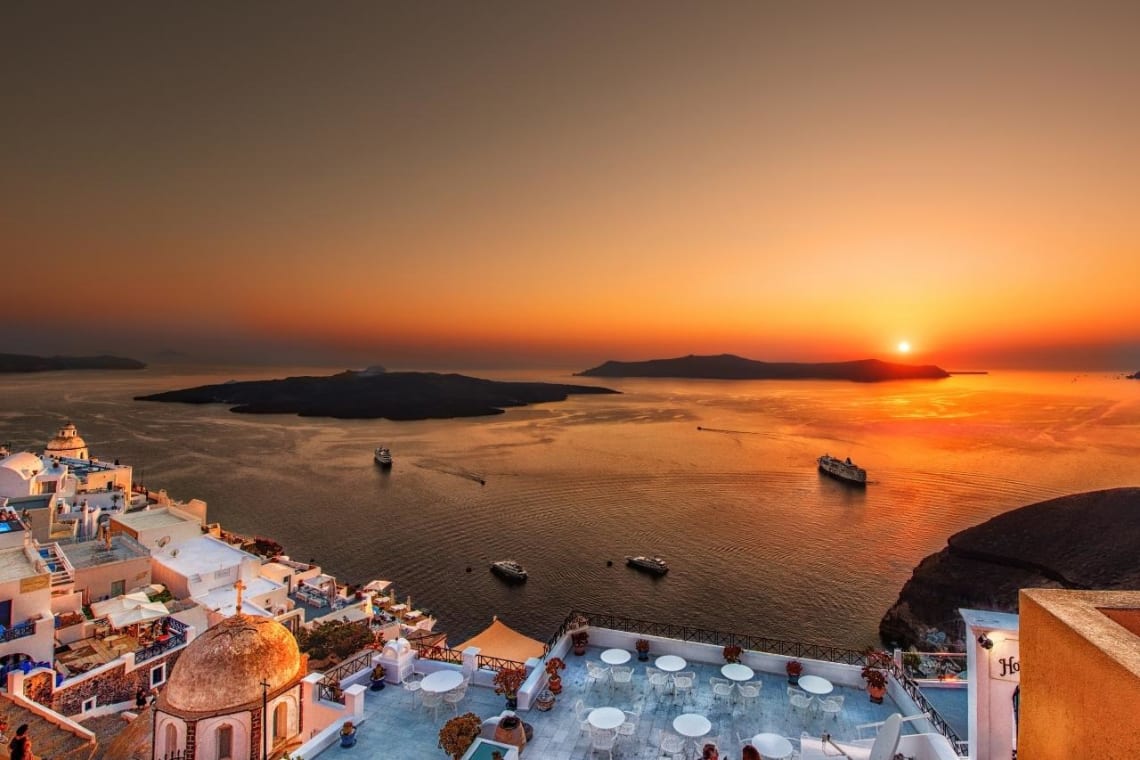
(1005, 660)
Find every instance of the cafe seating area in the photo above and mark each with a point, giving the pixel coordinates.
(597, 716)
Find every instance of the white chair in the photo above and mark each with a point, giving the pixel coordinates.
(595, 674)
(413, 686)
(673, 745)
(658, 680)
(683, 685)
(456, 695)
(602, 741)
(721, 689)
(431, 700)
(748, 694)
(800, 702)
(628, 730)
(621, 677)
(582, 712)
(832, 705)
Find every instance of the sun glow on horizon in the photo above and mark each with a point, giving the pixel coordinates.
(904, 347)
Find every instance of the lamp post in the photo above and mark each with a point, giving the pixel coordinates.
(264, 720)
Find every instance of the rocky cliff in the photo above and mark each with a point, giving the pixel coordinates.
(1088, 540)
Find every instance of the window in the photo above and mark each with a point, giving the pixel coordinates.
(89, 704)
(158, 675)
(225, 738)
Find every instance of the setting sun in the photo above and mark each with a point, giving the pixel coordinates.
(904, 347)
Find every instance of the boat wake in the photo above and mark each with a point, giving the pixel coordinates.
(446, 469)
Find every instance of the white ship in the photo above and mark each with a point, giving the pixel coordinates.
(383, 457)
(843, 470)
(654, 565)
(509, 569)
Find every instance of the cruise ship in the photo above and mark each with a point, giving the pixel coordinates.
(383, 456)
(509, 569)
(846, 471)
(655, 565)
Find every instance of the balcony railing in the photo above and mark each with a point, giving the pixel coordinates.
(455, 657)
(158, 648)
(18, 632)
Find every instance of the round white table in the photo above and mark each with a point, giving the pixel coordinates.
(441, 681)
(615, 657)
(816, 685)
(734, 671)
(670, 663)
(692, 725)
(606, 718)
(772, 745)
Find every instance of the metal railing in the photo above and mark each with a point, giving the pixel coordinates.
(455, 657)
(913, 691)
(709, 636)
(158, 648)
(329, 689)
(930, 665)
(18, 632)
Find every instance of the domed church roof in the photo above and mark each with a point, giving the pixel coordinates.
(224, 666)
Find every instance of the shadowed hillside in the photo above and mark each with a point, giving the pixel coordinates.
(730, 367)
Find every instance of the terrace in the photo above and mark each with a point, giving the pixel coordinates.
(396, 717)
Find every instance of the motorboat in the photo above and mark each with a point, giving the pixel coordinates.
(846, 471)
(509, 570)
(655, 565)
(383, 457)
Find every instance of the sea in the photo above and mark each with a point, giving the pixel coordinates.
(718, 477)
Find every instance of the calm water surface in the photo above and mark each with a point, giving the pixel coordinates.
(757, 541)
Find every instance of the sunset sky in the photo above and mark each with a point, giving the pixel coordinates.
(557, 184)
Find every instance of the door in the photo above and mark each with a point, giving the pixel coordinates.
(6, 613)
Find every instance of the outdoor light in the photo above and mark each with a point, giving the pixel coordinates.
(985, 641)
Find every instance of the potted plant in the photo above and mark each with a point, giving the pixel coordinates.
(508, 681)
(545, 700)
(553, 665)
(642, 647)
(580, 640)
(459, 733)
(376, 680)
(874, 673)
(347, 734)
(794, 669)
(732, 653)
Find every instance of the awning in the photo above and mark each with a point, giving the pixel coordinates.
(140, 614)
(119, 604)
(500, 640)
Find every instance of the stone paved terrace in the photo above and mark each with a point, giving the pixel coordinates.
(394, 727)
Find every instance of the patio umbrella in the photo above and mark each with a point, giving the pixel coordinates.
(119, 604)
(139, 614)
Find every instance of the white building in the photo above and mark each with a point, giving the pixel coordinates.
(25, 599)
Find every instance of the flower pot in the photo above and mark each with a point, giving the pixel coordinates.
(376, 684)
(793, 680)
(643, 656)
(348, 740)
(513, 702)
(555, 685)
(544, 701)
(876, 693)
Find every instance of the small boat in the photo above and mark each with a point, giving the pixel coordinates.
(509, 569)
(655, 565)
(383, 457)
(846, 471)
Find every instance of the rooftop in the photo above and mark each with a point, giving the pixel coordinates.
(224, 598)
(148, 519)
(94, 553)
(14, 565)
(204, 554)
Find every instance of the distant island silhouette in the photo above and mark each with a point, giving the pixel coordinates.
(364, 395)
(731, 367)
(1135, 376)
(26, 363)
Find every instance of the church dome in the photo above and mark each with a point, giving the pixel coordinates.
(67, 443)
(223, 667)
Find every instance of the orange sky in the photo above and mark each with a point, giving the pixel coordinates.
(563, 185)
